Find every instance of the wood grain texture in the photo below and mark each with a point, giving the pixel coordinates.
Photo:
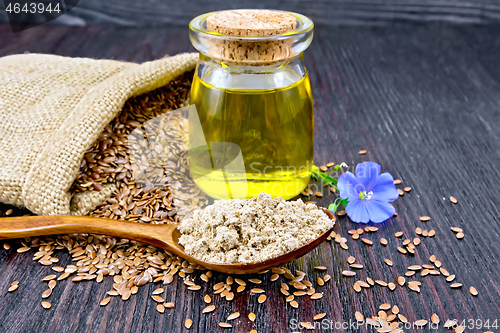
(149, 13)
(422, 99)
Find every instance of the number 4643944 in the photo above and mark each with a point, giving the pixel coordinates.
(32, 8)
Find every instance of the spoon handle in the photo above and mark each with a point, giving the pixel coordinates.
(31, 226)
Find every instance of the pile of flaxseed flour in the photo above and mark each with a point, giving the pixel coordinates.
(251, 230)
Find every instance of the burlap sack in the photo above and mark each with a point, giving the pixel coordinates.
(52, 109)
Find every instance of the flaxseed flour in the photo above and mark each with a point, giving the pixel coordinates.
(251, 230)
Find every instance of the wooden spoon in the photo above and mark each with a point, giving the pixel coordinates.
(165, 236)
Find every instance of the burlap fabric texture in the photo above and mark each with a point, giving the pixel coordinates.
(52, 109)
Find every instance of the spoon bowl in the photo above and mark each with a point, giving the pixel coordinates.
(165, 236)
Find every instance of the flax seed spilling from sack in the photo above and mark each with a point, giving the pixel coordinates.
(251, 230)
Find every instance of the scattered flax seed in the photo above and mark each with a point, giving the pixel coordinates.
(207, 299)
(385, 307)
(453, 200)
(444, 271)
(410, 273)
(317, 296)
(169, 305)
(366, 241)
(160, 308)
(251, 316)
(341, 213)
(356, 287)
(401, 192)
(425, 218)
(414, 285)
(330, 164)
(391, 286)
(402, 318)
(319, 194)
(158, 291)
(407, 189)
(13, 287)
(319, 316)
(256, 281)
(416, 241)
(46, 305)
(418, 231)
(257, 291)
(47, 293)
(233, 316)
(240, 289)
(395, 309)
(398, 234)
(362, 152)
(460, 235)
(381, 283)
(363, 284)
(294, 304)
(6, 246)
(243, 283)
(397, 181)
(437, 263)
(432, 233)
(188, 323)
(388, 262)
(274, 277)
(421, 322)
(348, 273)
(401, 280)
(357, 266)
(158, 299)
(359, 316)
(105, 301)
(459, 329)
(401, 250)
(435, 319)
(351, 260)
(370, 281)
(456, 229)
(432, 258)
(23, 249)
(415, 268)
(320, 268)
(208, 309)
(49, 277)
(323, 168)
(473, 291)
(450, 278)
(320, 281)
(262, 298)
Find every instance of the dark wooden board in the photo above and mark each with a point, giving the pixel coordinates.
(333, 12)
(422, 99)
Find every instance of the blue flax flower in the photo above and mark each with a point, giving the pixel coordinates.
(368, 193)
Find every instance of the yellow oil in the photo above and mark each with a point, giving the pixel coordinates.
(255, 140)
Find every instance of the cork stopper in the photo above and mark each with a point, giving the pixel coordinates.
(252, 23)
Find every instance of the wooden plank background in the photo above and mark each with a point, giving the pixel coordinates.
(332, 12)
(422, 99)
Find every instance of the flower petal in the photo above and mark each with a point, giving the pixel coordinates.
(347, 185)
(384, 189)
(379, 211)
(367, 174)
(356, 210)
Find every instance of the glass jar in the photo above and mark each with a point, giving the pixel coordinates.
(253, 129)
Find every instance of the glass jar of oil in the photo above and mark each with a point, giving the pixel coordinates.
(253, 126)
